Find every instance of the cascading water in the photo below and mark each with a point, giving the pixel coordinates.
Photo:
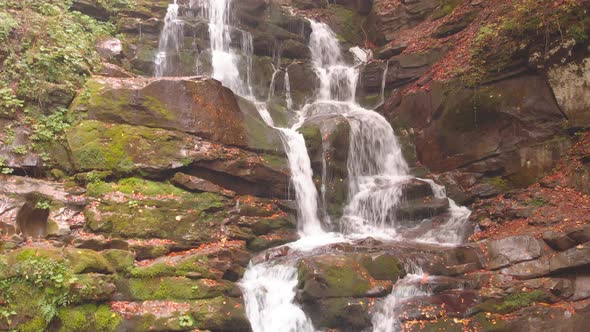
(376, 168)
(170, 42)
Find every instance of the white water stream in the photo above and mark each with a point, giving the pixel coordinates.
(376, 167)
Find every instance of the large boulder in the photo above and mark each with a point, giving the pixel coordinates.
(198, 106)
(512, 128)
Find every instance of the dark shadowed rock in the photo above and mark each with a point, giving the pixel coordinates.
(193, 183)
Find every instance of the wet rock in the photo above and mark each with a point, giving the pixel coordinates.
(329, 276)
(295, 50)
(389, 51)
(451, 134)
(304, 83)
(417, 210)
(343, 314)
(327, 140)
(511, 250)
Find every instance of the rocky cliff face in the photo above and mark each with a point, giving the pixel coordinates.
(134, 203)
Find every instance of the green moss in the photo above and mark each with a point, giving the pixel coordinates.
(163, 211)
(123, 149)
(89, 317)
(329, 276)
(513, 302)
(176, 288)
(383, 267)
(498, 182)
(446, 7)
(482, 322)
(194, 264)
(86, 261)
(313, 137)
(120, 260)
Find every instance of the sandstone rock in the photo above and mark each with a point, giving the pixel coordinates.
(558, 241)
(570, 84)
(109, 48)
(565, 260)
(511, 250)
(199, 185)
(111, 70)
(37, 208)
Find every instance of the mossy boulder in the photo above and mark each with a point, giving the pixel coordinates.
(514, 302)
(180, 216)
(330, 276)
(198, 106)
(125, 149)
(87, 261)
(342, 314)
(217, 314)
(88, 317)
(120, 260)
(171, 288)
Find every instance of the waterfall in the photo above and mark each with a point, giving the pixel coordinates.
(288, 98)
(171, 39)
(376, 168)
(269, 303)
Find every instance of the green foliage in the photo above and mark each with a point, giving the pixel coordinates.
(7, 24)
(53, 51)
(3, 169)
(525, 27)
(37, 288)
(43, 204)
(536, 202)
(51, 127)
(9, 103)
(185, 321)
(521, 300)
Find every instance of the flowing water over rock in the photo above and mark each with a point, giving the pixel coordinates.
(377, 171)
